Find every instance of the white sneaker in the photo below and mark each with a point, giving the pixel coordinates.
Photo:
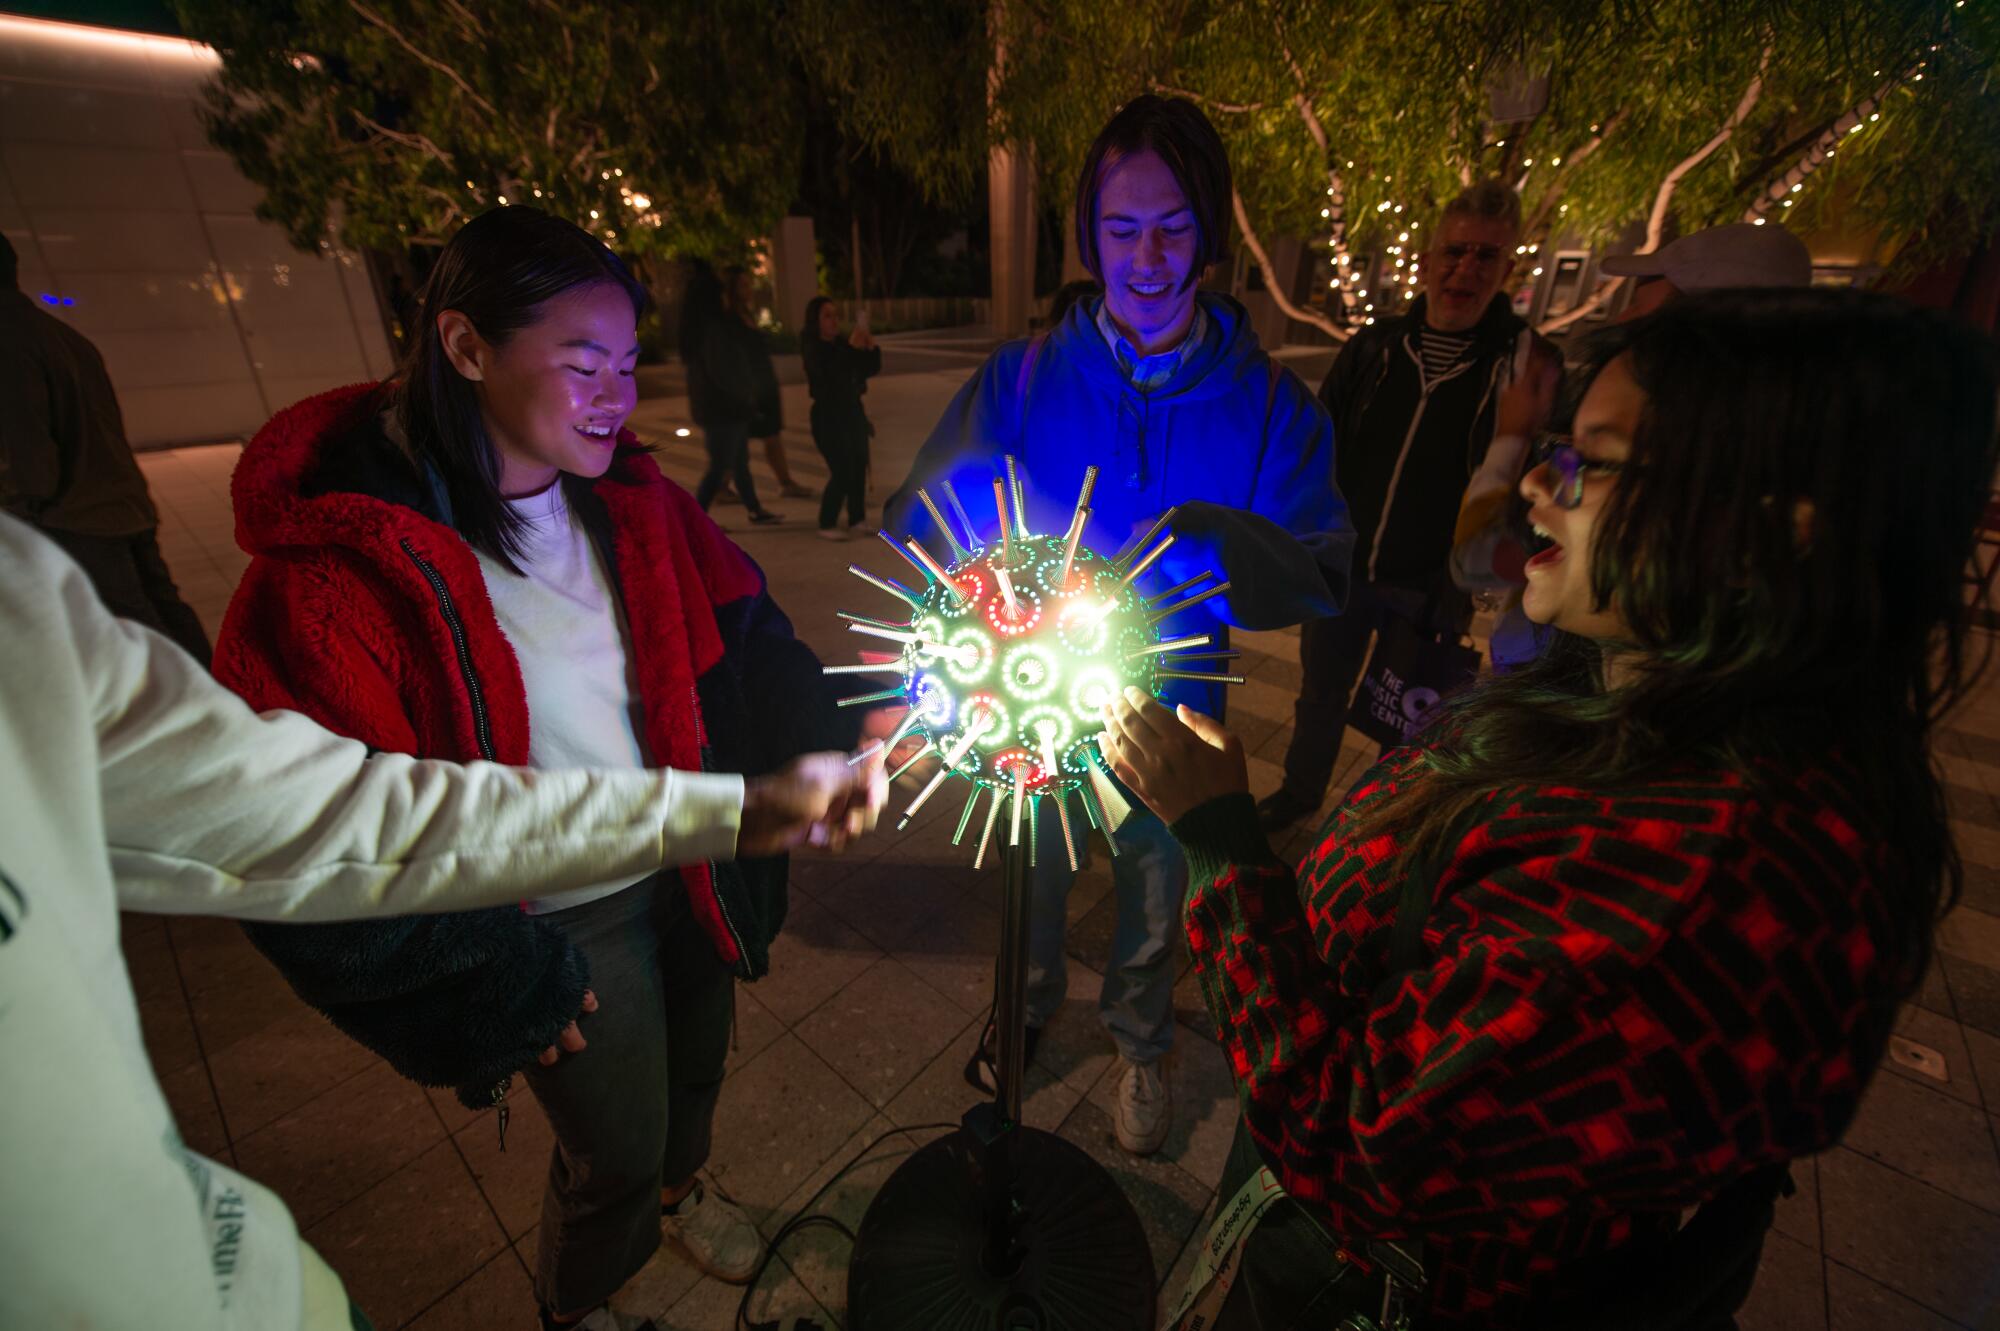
(832, 534)
(715, 1233)
(1145, 1107)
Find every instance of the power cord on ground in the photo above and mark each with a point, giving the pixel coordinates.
(802, 1219)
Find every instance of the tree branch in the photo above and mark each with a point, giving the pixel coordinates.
(1656, 224)
(1228, 108)
(1571, 162)
(370, 16)
(1283, 302)
(417, 142)
(1822, 145)
(1336, 188)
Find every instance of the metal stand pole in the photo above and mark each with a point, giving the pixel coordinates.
(997, 1125)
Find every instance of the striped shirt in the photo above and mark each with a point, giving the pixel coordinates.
(1440, 351)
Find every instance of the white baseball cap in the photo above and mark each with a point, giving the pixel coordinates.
(1741, 254)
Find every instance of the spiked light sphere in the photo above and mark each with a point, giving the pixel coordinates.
(1009, 652)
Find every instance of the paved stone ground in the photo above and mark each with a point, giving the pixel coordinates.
(876, 993)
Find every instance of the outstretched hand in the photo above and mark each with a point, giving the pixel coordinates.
(1173, 761)
(819, 800)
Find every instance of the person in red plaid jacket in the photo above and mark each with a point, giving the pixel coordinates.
(1680, 871)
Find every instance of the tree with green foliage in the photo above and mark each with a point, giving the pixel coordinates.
(1355, 120)
(665, 131)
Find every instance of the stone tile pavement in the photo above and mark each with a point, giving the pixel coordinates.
(877, 990)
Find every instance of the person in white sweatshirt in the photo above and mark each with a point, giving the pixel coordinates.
(131, 780)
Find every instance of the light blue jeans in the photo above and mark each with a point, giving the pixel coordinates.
(1149, 882)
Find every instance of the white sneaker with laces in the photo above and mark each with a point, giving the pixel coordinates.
(1145, 1107)
(715, 1233)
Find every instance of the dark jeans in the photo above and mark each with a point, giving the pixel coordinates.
(632, 1110)
(728, 456)
(843, 441)
(1290, 1279)
(133, 582)
(1332, 653)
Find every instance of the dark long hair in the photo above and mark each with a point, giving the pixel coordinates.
(813, 347)
(497, 271)
(1754, 651)
(1176, 130)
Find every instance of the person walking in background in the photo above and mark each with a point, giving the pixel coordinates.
(739, 392)
(1414, 403)
(837, 374)
(67, 469)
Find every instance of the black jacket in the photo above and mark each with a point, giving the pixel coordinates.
(1407, 448)
(837, 374)
(740, 385)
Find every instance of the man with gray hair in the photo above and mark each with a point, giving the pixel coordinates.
(1415, 401)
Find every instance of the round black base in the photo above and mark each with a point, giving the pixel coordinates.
(919, 1256)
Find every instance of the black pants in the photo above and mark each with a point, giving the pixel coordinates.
(1290, 1279)
(842, 439)
(632, 1110)
(1332, 653)
(133, 582)
(728, 456)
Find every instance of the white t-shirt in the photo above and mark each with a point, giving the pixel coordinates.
(563, 617)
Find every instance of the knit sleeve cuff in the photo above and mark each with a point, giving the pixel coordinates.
(1220, 833)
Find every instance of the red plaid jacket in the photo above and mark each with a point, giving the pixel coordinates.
(1626, 1003)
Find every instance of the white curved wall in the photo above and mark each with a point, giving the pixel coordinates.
(134, 229)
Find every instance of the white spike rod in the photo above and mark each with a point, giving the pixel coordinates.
(853, 618)
(1159, 525)
(951, 760)
(910, 636)
(1112, 810)
(1089, 487)
(1148, 560)
(1007, 594)
(1069, 838)
(863, 699)
(889, 585)
(1020, 497)
(1006, 523)
(903, 554)
(1180, 587)
(986, 836)
(911, 720)
(1198, 675)
(1171, 645)
(934, 570)
(1020, 796)
(913, 760)
(965, 817)
(864, 668)
(959, 553)
(1070, 542)
(1200, 596)
(958, 510)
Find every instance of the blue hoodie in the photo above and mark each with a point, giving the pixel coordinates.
(1246, 454)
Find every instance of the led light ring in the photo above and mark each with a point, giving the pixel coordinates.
(1002, 729)
(1005, 762)
(973, 585)
(1081, 756)
(1080, 704)
(933, 702)
(1085, 632)
(1030, 727)
(1029, 659)
(980, 641)
(1031, 612)
(932, 629)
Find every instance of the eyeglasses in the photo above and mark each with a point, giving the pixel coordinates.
(1570, 468)
(1479, 256)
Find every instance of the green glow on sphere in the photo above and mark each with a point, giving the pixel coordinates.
(1034, 681)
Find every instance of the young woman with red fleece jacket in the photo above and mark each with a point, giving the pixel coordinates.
(476, 560)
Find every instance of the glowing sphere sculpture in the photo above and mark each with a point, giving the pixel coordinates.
(1011, 649)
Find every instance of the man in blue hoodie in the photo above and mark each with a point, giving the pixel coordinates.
(1164, 389)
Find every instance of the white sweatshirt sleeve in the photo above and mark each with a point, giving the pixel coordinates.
(210, 808)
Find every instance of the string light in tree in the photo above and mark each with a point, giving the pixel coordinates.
(1010, 651)
(1866, 112)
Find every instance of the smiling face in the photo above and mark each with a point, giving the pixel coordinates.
(1146, 247)
(1469, 259)
(553, 395)
(1558, 591)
